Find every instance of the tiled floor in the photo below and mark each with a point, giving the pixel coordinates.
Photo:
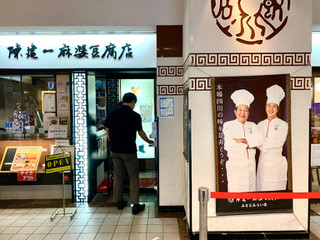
(107, 223)
(88, 223)
(315, 219)
(315, 210)
(102, 220)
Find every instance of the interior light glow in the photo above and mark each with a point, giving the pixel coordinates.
(79, 107)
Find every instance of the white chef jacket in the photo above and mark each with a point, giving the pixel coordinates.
(272, 166)
(241, 164)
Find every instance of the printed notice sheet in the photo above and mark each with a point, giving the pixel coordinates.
(167, 107)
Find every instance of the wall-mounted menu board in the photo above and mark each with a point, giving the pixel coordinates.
(21, 158)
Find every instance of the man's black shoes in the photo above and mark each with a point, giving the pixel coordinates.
(137, 208)
(121, 204)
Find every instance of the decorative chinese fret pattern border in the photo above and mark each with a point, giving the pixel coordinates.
(168, 90)
(170, 71)
(113, 96)
(199, 84)
(79, 105)
(247, 59)
(301, 83)
(204, 84)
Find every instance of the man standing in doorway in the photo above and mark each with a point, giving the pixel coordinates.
(122, 124)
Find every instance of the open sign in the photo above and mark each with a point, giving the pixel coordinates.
(58, 163)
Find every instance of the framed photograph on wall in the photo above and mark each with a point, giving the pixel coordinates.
(252, 141)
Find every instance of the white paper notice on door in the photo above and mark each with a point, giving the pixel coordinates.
(48, 102)
(315, 155)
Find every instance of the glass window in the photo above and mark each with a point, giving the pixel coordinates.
(100, 101)
(10, 97)
(21, 102)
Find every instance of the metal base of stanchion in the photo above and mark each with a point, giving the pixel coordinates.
(64, 205)
(64, 213)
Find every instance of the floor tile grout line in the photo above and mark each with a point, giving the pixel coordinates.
(148, 216)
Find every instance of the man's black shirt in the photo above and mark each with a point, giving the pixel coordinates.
(123, 124)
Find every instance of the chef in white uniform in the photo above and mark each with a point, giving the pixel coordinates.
(272, 166)
(240, 141)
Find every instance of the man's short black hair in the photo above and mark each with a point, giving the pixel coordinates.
(129, 97)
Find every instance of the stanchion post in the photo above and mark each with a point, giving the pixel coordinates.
(63, 197)
(203, 213)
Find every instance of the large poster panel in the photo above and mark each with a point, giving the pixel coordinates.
(252, 141)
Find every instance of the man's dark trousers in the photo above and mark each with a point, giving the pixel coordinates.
(121, 162)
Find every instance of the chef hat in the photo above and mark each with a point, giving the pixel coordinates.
(242, 96)
(275, 94)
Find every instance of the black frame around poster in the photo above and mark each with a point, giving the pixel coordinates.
(223, 111)
(186, 125)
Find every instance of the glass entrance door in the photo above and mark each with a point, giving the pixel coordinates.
(144, 90)
(109, 92)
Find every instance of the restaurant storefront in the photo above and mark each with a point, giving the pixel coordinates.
(56, 91)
